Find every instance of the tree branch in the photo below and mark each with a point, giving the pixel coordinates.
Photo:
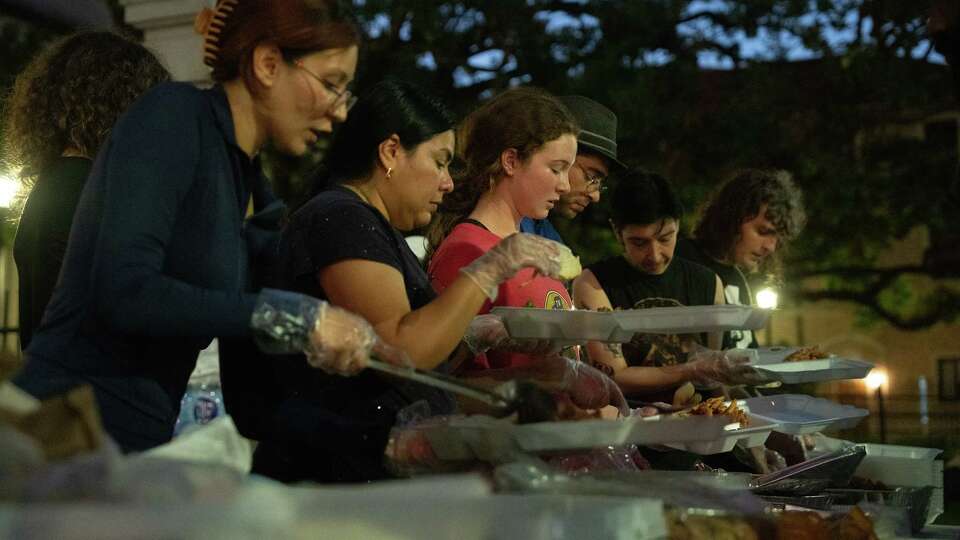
(866, 271)
(916, 322)
(715, 18)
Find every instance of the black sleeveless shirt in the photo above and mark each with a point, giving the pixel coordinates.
(684, 283)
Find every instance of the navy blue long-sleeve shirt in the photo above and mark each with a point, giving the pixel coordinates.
(156, 264)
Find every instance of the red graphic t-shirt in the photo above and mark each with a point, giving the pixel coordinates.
(466, 242)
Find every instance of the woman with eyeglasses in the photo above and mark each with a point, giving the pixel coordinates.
(157, 263)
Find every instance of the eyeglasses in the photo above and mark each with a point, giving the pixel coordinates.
(340, 97)
(594, 181)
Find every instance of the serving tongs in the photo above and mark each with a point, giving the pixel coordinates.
(814, 475)
(530, 402)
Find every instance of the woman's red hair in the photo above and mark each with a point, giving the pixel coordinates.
(234, 28)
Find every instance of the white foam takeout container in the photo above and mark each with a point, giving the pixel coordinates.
(754, 434)
(688, 320)
(799, 414)
(771, 359)
(566, 327)
(488, 439)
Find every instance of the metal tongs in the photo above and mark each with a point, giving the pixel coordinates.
(530, 402)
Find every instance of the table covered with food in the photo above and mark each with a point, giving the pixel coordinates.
(511, 475)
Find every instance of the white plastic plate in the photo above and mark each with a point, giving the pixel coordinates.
(755, 434)
(584, 434)
(562, 326)
(798, 414)
(480, 437)
(827, 369)
(688, 320)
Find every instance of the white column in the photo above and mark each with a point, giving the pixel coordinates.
(167, 27)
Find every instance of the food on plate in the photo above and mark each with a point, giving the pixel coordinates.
(569, 264)
(693, 527)
(859, 482)
(717, 406)
(686, 395)
(806, 353)
(854, 525)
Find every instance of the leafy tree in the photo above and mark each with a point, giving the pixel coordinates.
(812, 87)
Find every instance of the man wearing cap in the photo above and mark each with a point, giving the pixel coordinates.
(596, 159)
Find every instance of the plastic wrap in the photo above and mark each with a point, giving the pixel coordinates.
(733, 367)
(217, 442)
(811, 476)
(488, 331)
(332, 338)
(600, 460)
(587, 387)
(449, 506)
(675, 490)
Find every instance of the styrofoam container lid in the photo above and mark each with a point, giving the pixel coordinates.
(800, 414)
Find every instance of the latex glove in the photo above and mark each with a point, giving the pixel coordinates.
(488, 332)
(774, 460)
(513, 253)
(333, 339)
(587, 387)
(410, 452)
(728, 367)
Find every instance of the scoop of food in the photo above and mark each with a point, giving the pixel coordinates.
(806, 353)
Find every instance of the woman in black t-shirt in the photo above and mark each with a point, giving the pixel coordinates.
(387, 173)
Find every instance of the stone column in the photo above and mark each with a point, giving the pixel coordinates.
(167, 27)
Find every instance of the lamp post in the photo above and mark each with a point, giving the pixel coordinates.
(875, 382)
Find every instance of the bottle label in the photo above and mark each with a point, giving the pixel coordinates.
(205, 410)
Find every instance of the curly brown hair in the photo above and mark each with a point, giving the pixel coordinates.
(70, 95)
(740, 199)
(523, 118)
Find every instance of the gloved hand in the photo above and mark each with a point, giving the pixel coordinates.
(408, 449)
(587, 387)
(513, 253)
(333, 339)
(774, 460)
(488, 332)
(728, 367)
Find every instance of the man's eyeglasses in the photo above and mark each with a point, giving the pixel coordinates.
(340, 97)
(594, 180)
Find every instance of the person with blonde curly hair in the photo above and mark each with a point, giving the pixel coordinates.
(61, 110)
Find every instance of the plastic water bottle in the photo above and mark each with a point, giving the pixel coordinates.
(203, 400)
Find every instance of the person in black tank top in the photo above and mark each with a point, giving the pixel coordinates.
(646, 218)
(743, 227)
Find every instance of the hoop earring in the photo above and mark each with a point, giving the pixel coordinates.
(389, 172)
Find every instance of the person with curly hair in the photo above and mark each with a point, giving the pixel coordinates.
(746, 221)
(61, 110)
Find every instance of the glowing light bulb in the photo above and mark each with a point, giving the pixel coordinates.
(876, 379)
(8, 190)
(767, 298)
